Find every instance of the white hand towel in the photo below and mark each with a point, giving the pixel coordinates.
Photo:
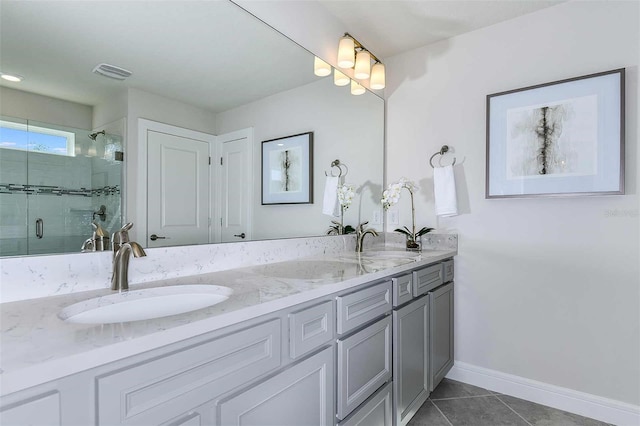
(444, 189)
(330, 204)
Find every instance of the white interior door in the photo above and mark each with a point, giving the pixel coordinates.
(236, 185)
(177, 189)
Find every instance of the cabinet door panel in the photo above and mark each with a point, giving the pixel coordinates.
(163, 388)
(362, 306)
(300, 395)
(426, 279)
(447, 270)
(440, 333)
(364, 364)
(377, 411)
(193, 419)
(402, 289)
(310, 328)
(411, 365)
(42, 410)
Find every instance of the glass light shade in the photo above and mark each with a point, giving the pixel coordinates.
(321, 68)
(346, 52)
(357, 88)
(363, 65)
(378, 76)
(339, 79)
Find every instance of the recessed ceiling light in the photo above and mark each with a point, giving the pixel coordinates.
(11, 77)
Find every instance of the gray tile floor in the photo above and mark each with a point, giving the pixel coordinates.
(454, 403)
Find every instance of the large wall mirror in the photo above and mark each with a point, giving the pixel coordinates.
(208, 80)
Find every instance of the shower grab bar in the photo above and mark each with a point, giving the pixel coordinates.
(39, 228)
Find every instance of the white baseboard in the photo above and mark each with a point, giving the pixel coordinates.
(584, 404)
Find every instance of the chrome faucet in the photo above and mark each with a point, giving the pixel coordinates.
(360, 234)
(122, 250)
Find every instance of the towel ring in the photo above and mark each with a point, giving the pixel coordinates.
(338, 165)
(442, 151)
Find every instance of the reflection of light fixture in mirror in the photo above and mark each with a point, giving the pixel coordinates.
(357, 88)
(377, 81)
(321, 68)
(363, 65)
(14, 78)
(339, 79)
(346, 51)
(352, 54)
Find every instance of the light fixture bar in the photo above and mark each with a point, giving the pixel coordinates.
(359, 45)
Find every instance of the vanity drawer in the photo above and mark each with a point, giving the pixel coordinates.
(447, 270)
(155, 391)
(402, 289)
(362, 306)
(427, 279)
(310, 328)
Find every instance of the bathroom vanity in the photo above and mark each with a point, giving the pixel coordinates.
(359, 340)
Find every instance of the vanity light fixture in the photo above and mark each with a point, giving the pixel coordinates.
(357, 88)
(363, 65)
(347, 51)
(339, 79)
(321, 68)
(14, 78)
(378, 76)
(352, 54)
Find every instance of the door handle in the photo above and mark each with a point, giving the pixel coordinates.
(154, 237)
(243, 235)
(39, 228)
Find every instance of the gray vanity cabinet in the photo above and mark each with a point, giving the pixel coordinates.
(411, 359)
(440, 333)
(301, 395)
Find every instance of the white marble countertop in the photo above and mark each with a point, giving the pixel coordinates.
(36, 346)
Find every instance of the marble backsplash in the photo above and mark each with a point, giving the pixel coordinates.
(33, 277)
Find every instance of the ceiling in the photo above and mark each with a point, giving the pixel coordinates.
(210, 54)
(390, 27)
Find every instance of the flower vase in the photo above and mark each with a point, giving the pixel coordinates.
(414, 244)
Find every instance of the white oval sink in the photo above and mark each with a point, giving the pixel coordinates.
(137, 305)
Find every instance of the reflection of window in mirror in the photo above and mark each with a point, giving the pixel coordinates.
(33, 138)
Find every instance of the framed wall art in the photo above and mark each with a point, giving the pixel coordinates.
(557, 139)
(287, 170)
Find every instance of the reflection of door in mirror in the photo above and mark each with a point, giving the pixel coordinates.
(177, 186)
(235, 183)
(52, 180)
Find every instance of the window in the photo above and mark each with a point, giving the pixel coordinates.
(31, 138)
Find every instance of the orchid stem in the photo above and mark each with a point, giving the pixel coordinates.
(413, 217)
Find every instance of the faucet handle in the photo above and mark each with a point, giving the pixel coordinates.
(122, 236)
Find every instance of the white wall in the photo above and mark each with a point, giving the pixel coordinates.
(320, 107)
(20, 104)
(548, 288)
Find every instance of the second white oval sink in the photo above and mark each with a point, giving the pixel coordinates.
(137, 305)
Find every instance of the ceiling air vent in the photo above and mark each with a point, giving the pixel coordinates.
(112, 71)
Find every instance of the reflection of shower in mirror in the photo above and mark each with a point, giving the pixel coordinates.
(93, 136)
(108, 147)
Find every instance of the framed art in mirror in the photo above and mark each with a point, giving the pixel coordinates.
(287, 170)
(557, 139)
